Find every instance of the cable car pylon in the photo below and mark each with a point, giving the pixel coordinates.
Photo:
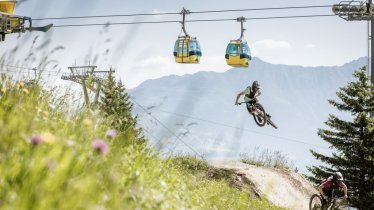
(186, 48)
(359, 11)
(89, 78)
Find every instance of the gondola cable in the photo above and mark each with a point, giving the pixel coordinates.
(191, 21)
(167, 128)
(243, 129)
(30, 69)
(177, 13)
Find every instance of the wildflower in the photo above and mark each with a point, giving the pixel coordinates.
(25, 91)
(106, 197)
(87, 123)
(163, 184)
(45, 113)
(48, 138)
(36, 139)
(100, 146)
(70, 143)
(51, 164)
(111, 133)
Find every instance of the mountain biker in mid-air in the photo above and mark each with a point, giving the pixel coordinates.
(333, 182)
(250, 94)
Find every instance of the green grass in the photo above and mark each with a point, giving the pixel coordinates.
(190, 163)
(47, 161)
(216, 186)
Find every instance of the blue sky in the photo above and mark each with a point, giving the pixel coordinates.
(144, 52)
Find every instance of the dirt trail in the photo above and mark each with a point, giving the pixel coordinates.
(283, 188)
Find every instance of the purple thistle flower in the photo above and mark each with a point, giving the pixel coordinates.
(36, 139)
(111, 133)
(100, 146)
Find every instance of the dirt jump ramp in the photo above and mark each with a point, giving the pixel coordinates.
(282, 188)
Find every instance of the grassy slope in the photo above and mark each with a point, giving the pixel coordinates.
(47, 161)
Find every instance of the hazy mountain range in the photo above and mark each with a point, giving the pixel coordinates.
(199, 109)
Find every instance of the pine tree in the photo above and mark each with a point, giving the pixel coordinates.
(108, 95)
(352, 141)
(116, 106)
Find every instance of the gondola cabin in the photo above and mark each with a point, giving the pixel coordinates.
(10, 23)
(187, 50)
(7, 6)
(238, 54)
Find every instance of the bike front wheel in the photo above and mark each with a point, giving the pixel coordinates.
(259, 115)
(315, 202)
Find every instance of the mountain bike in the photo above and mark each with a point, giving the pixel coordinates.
(335, 203)
(259, 114)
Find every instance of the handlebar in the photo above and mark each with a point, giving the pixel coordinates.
(245, 102)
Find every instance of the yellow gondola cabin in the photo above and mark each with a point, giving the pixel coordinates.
(187, 50)
(7, 6)
(10, 23)
(238, 54)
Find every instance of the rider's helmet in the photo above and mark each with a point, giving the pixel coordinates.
(337, 176)
(255, 85)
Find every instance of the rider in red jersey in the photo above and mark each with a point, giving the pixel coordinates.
(333, 182)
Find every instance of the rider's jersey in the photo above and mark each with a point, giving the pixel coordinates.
(329, 184)
(249, 94)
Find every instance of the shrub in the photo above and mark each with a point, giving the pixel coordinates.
(267, 158)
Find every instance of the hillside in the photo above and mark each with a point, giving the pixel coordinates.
(200, 108)
(55, 156)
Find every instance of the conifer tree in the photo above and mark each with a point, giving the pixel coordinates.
(108, 95)
(352, 141)
(116, 106)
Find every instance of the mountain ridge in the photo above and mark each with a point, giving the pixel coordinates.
(295, 96)
(360, 60)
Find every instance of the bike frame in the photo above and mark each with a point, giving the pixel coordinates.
(248, 103)
(257, 112)
(332, 201)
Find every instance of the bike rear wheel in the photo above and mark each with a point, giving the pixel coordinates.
(259, 114)
(315, 202)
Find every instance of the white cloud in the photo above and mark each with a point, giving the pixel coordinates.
(158, 66)
(310, 46)
(270, 44)
(154, 61)
(166, 63)
(269, 49)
